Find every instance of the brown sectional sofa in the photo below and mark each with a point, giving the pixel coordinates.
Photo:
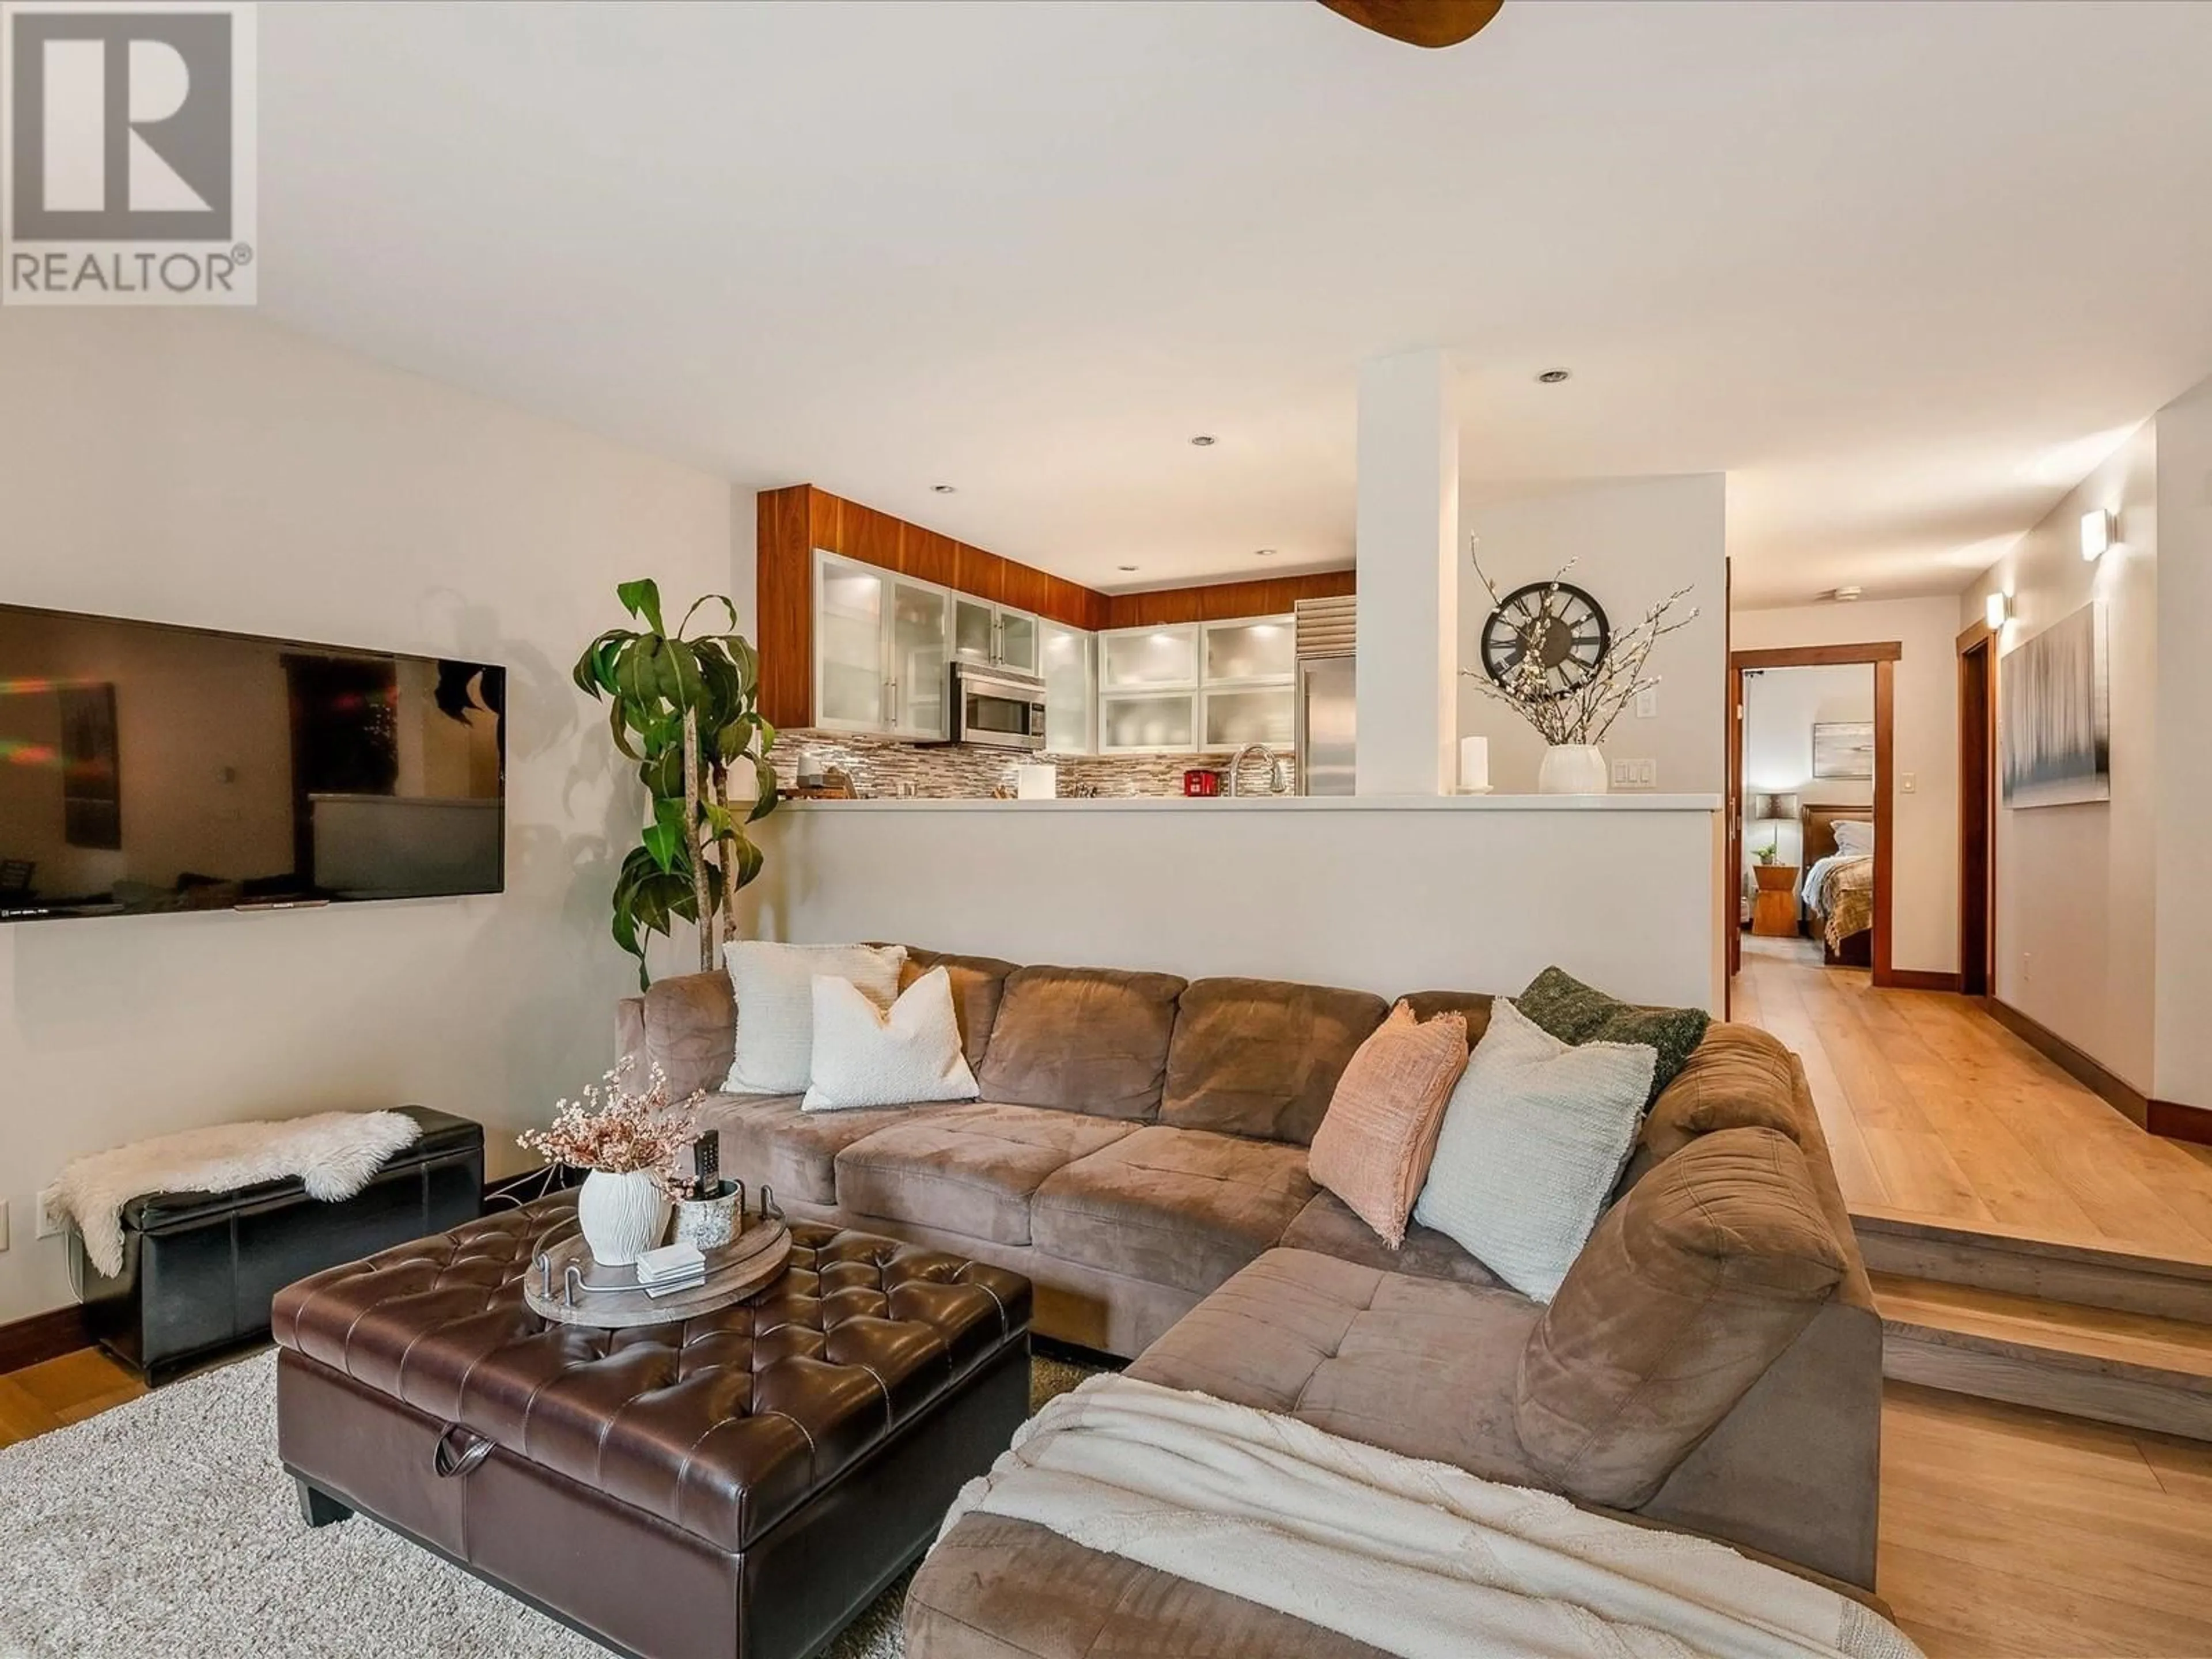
(1713, 1363)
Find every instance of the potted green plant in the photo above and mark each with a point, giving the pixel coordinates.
(685, 708)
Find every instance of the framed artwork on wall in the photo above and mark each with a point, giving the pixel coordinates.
(2054, 715)
(1843, 748)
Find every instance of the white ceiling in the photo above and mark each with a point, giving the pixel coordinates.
(1903, 271)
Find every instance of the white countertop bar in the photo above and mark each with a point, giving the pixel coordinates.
(1620, 803)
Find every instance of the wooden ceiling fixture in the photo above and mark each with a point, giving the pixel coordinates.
(1420, 22)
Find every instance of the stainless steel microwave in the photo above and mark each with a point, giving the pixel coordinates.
(997, 709)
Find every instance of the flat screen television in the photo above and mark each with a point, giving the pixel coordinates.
(145, 768)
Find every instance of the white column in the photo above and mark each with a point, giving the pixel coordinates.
(1407, 644)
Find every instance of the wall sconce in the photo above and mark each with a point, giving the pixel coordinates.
(2098, 532)
(1996, 610)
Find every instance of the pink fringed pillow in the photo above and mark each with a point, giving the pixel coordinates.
(1373, 1148)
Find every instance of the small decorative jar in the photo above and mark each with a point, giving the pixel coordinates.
(709, 1223)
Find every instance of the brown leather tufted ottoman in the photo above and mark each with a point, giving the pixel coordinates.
(736, 1486)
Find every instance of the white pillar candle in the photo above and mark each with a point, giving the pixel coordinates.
(1474, 765)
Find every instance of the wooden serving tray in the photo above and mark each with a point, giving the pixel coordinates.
(610, 1296)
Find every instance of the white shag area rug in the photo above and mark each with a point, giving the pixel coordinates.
(166, 1526)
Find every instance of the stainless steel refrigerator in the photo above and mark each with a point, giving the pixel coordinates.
(1327, 707)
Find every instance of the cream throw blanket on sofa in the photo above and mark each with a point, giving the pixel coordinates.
(334, 1153)
(1419, 1560)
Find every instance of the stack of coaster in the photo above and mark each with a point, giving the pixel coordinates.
(671, 1268)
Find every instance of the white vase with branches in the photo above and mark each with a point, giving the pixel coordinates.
(1573, 717)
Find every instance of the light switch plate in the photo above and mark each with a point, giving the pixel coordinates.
(1635, 775)
(1647, 703)
(1909, 782)
(3, 1223)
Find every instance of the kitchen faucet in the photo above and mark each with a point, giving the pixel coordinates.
(1274, 768)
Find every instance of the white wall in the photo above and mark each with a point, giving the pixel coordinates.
(2077, 913)
(1781, 706)
(207, 468)
(1925, 907)
(1384, 895)
(2182, 1068)
(1634, 541)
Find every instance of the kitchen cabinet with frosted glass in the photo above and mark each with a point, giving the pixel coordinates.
(996, 635)
(1069, 659)
(880, 651)
(1248, 675)
(1197, 687)
(1148, 690)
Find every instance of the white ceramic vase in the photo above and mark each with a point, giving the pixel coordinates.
(1571, 769)
(622, 1216)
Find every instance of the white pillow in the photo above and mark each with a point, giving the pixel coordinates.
(775, 988)
(1535, 1135)
(865, 1057)
(1854, 837)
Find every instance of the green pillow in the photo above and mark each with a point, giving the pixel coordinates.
(1575, 1013)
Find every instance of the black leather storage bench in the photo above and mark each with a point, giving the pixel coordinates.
(199, 1269)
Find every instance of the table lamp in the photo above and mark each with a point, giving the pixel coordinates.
(1775, 807)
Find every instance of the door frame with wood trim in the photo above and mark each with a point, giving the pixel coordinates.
(1883, 656)
(1978, 811)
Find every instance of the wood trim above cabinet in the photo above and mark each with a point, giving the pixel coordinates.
(795, 521)
(784, 584)
(1222, 601)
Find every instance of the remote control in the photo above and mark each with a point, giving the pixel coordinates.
(706, 1161)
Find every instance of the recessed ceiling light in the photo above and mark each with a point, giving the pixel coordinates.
(946, 489)
(1203, 441)
(1263, 552)
(1125, 566)
(1553, 376)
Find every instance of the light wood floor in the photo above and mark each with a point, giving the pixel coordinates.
(2004, 1531)
(1933, 1109)
(61, 1391)
(2007, 1532)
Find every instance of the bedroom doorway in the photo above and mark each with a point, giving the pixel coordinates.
(1978, 803)
(1811, 743)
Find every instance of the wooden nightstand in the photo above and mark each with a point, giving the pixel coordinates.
(1774, 911)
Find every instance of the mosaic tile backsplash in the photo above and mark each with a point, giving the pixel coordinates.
(879, 766)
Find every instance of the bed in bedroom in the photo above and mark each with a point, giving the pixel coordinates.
(1837, 883)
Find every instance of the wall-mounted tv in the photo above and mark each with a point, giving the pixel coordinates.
(145, 767)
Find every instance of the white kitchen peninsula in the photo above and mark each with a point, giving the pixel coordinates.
(1383, 893)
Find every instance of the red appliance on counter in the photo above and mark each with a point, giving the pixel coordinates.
(1201, 780)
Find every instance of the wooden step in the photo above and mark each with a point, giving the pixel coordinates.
(2142, 1371)
(2090, 1273)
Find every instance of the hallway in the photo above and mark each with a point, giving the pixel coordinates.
(1933, 1109)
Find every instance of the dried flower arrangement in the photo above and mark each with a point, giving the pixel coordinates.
(617, 1130)
(1583, 712)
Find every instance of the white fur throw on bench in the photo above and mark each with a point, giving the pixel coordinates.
(333, 1154)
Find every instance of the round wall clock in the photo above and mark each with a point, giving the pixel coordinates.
(1572, 647)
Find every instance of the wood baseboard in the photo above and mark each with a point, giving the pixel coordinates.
(43, 1336)
(2176, 1121)
(1917, 979)
(2092, 1073)
(2167, 1118)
